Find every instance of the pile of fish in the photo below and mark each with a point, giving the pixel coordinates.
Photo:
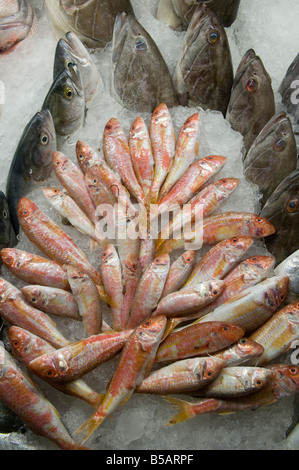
(211, 325)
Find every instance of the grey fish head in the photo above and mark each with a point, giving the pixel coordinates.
(141, 79)
(204, 72)
(66, 101)
(16, 25)
(226, 10)
(282, 210)
(7, 235)
(272, 156)
(71, 51)
(289, 89)
(252, 102)
(92, 20)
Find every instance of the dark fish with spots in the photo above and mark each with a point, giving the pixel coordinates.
(282, 210)
(204, 72)
(272, 156)
(252, 102)
(72, 51)
(91, 20)
(32, 161)
(289, 91)
(226, 10)
(16, 18)
(141, 78)
(66, 101)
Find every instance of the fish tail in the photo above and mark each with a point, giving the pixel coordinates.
(159, 242)
(189, 409)
(105, 297)
(99, 400)
(89, 427)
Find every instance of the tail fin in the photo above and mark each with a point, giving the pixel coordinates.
(190, 409)
(89, 427)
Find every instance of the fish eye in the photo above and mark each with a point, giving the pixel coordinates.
(50, 373)
(215, 292)
(292, 205)
(68, 92)
(259, 383)
(25, 213)
(251, 85)
(225, 328)
(293, 371)
(5, 214)
(140, 45)
(15, 343)
(209, 373)
(34, 300)
(81, 157)
(44, 139)
(243, 341)
(280, 145)
(213, 37)
(9, 261)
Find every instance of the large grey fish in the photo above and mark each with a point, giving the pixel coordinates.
(272, 156)
(66, 101)
(16, 17)
(204, 72)
(91, 20)
(289, 91)
(226, 10)
(252, 102)
(72, 51)
(282, 210)
(32, 161)
(141, 78)
(7, 235)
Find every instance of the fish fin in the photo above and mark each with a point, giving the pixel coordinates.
(235, 297)
(127, 398)
(184, 408)
(223, 413)
(89, 427)
(99, 400)
(159, 242)
(94, 245)
(105, 297)
(172, 323)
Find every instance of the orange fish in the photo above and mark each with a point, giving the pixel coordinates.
(117, 155)
(179, 272)
(142, 154)
(52, 240)
(162, 136)
(186, 151)
(149, 290)
(20, 394)
(26, 347)
(284, 383)
(139, 351)
(112, 279)
(34, 269)
(198, 339)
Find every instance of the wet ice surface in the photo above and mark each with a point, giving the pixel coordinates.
(140, 424)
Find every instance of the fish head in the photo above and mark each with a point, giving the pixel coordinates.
(113, 129)
(292, 313)
(77, 277)
(34, 295)
(276, 292)
(257, 267)
(66, 101)
(188, 257)
(60, 162)
(26, 346)
(138, 129)
(282, 210)
(27, 212)
(226, 185)
(212, 288)
(132, 265)
(50, 366)
(13, 258)
(161, 263)
(212, 163)
(151, 332)
(247, 349)
(85, 155)
(208, 369)
(8, 237)
(229, 332)
(41, 142)
(260, 377)
(285, 379)
(109, 255)
(258, 226)
(234, 248)
(54, 194)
